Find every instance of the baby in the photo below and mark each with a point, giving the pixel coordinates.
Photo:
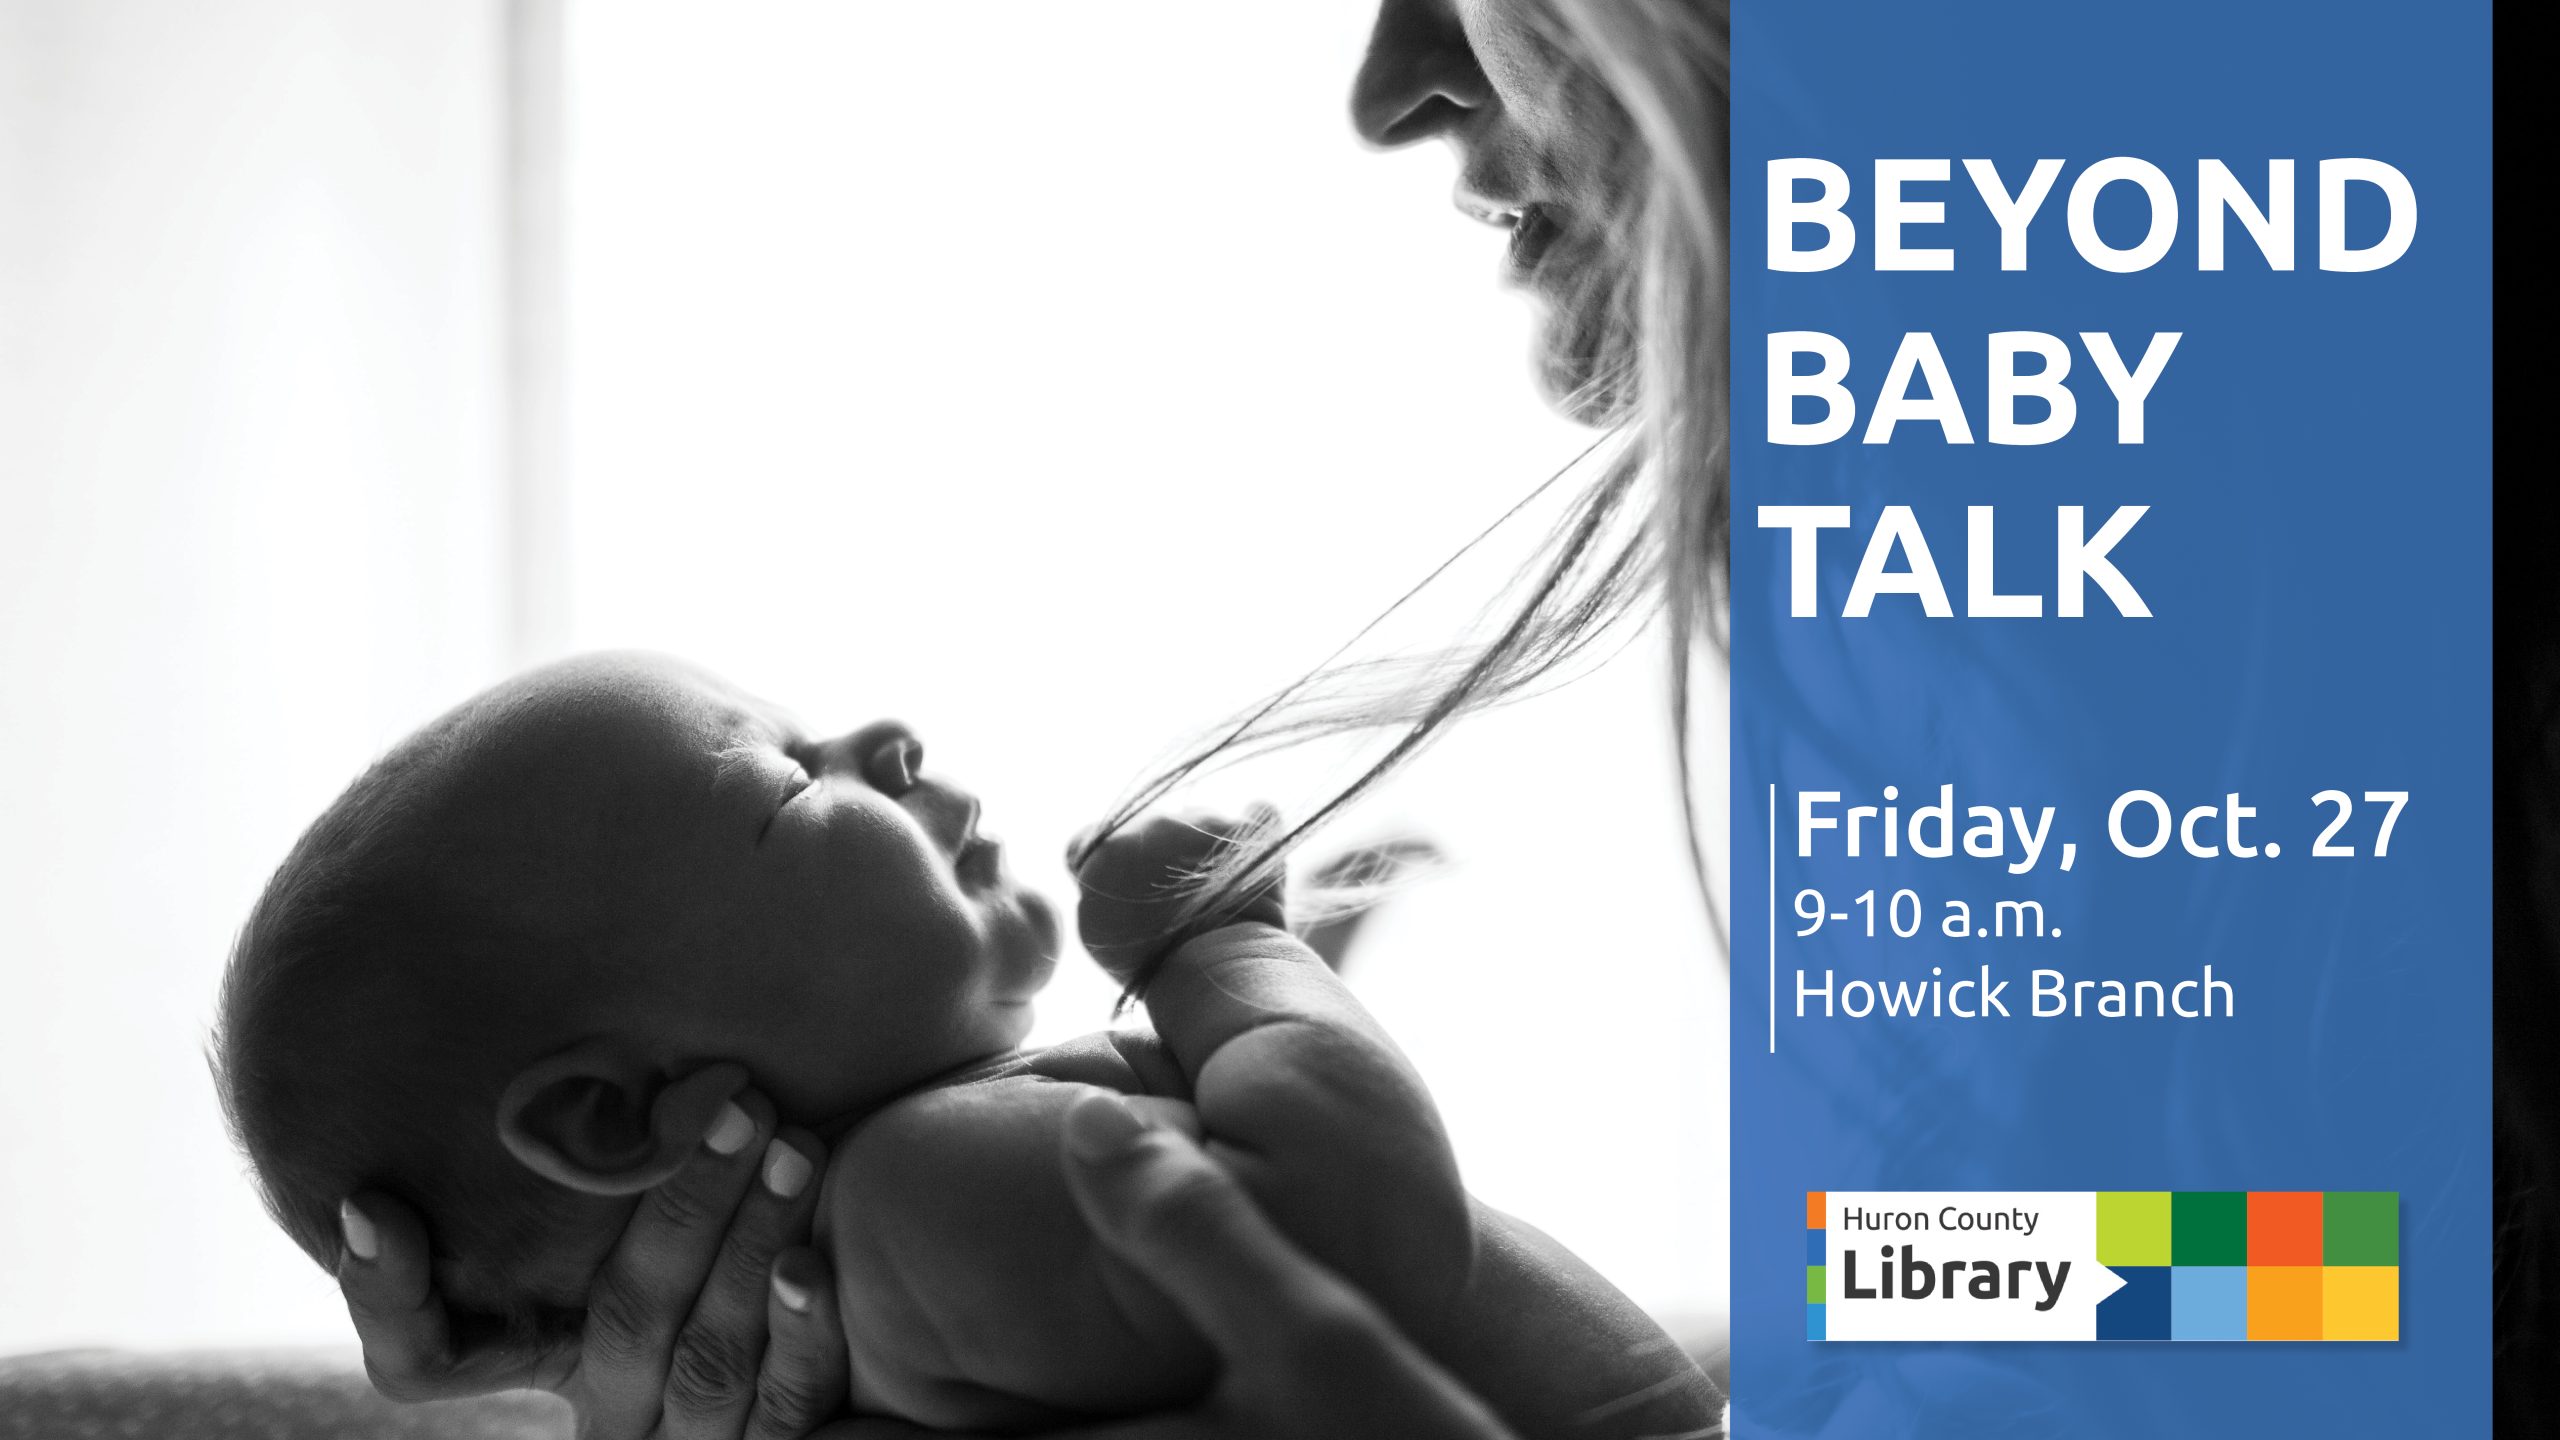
(511, 975)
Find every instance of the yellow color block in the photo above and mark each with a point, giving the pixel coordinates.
(2360, 1302)
(2284, 1302)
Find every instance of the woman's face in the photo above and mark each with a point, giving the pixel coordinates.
(1543, 153)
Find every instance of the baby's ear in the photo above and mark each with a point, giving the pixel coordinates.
(595, 1118)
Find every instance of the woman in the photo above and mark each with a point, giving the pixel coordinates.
(1593, 131)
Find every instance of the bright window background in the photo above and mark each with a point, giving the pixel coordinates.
(1059, 378)
(251, 531)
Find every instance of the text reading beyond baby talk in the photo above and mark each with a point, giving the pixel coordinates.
(2035, 385)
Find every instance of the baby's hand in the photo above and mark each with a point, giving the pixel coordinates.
(1135, 885)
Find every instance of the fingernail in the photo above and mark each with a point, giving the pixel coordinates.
(786, 1171)
(731, 1130)
(793, 1297)
(1102, 1126)
(363, 1241)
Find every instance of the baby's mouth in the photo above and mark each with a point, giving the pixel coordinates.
(979, 862)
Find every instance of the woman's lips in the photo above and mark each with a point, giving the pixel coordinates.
(1533, 236)
(1533, 227)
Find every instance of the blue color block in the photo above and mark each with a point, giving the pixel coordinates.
(1813, 1247)
(2139, 1311)
(2208, 1302)
(1813, 1322)
(2316, 457)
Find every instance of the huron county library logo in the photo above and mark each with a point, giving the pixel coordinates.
(2102, 1265)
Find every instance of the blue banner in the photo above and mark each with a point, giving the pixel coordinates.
(2111, 683)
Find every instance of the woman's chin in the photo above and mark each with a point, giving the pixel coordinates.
(1584, 389)
(1586, 372)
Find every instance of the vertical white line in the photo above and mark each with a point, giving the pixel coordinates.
(536, 339)
(1773, 918)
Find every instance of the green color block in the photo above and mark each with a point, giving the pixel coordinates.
(2360, 1227)
(2133, 1227)
(1813, 1284)
(2206, 1227)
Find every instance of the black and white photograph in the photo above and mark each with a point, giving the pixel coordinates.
(811, 717)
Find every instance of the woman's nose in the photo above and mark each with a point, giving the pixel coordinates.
(1420, 78)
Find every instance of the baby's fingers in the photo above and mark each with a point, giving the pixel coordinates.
(1267, 903)
(1249, 824)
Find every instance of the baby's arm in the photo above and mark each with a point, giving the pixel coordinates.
(1306, 1098)
(1300, 1092)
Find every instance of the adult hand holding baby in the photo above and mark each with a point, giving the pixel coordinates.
(711, 1319)
(1302, 1354)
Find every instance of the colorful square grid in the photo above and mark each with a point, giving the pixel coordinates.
(2250, 1264)
(2222, 1264)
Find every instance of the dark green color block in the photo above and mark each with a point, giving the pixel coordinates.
(2360, 1227)
(2209, 1227)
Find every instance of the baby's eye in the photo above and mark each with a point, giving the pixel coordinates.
(786, 783)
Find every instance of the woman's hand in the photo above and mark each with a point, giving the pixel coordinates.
(1302, 1354)
(710, 1320)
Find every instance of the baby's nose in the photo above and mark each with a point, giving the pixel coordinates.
(885, 753)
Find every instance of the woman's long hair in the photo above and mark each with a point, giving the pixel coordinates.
(1649, 525)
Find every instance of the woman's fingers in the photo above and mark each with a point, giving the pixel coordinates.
(643, 1296)
(713, 1374)
(383, 1272)
(1160, 1203)
(675, 1341)
(806, 1374)
(1302, 1352)
(409, 1340)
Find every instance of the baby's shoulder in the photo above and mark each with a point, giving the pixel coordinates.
(1001, 1114)
(1131, 1061)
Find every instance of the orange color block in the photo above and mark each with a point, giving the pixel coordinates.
(2284, 1302)
(2360, 1302)
(1814, 1209)
(2284, 1227)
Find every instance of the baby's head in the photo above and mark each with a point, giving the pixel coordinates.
(500, 977)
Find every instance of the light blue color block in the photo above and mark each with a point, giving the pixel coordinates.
(2209, 1302)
